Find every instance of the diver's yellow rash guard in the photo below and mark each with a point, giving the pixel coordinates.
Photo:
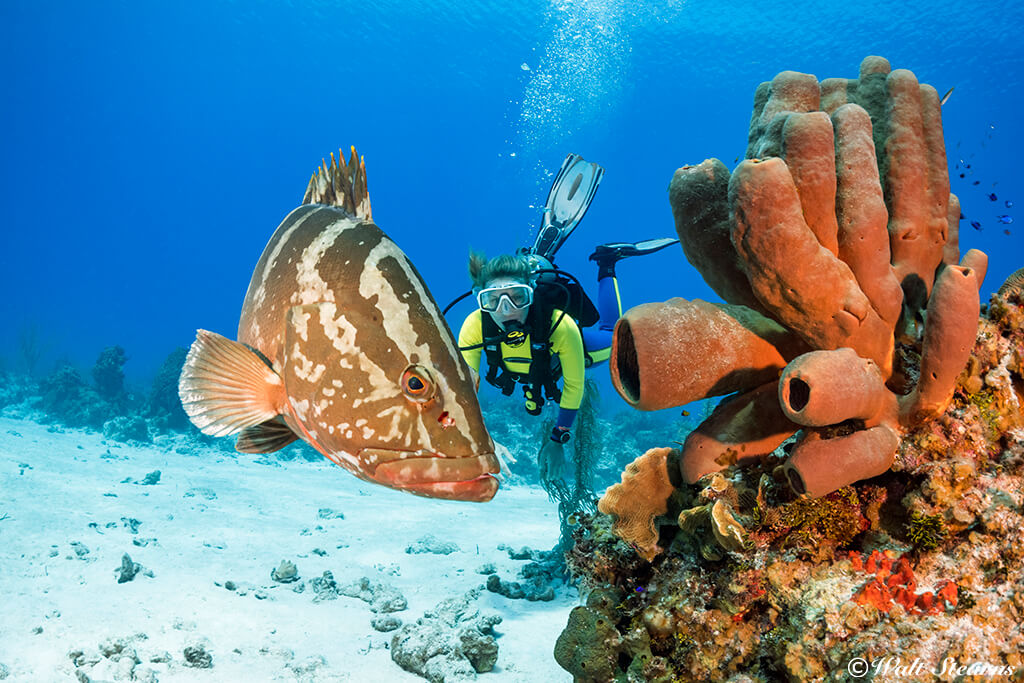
(566, 341)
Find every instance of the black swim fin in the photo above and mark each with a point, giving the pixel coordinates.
(620, 250)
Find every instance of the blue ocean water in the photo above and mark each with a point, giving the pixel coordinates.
(151, 148)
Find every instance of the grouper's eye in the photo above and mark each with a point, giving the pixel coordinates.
(416, 384)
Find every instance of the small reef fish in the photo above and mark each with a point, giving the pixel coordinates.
(945, 98)
(341, 344)
(992, 197)
(1005, 220)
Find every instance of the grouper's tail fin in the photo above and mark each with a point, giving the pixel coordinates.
(342, 185)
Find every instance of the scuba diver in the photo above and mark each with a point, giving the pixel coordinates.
(534, 322)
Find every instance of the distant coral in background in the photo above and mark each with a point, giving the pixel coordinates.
(16, 389)
(108, 373)
(68, 400)
(164, 405)
(127, 428)
(64, 398)
(30, 346)
(893, 524)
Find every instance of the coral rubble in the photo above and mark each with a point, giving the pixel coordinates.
(453, 641)
(859, 493)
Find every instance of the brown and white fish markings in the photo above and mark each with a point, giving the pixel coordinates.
(341, 344)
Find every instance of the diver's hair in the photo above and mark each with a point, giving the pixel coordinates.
(482, 270)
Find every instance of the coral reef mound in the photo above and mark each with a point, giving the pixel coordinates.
(925, 562)
(857, 499)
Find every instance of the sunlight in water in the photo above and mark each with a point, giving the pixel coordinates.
(580, 68)
(576, 79)
(577, 75)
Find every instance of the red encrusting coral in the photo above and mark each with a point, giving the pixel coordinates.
(894, 583)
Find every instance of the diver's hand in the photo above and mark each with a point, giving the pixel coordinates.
(551, 460)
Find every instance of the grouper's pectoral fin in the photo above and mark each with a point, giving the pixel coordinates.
(225, 386)
(268, 437)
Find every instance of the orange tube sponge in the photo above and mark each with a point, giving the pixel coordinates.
(834, 93)
(740, 428)
(789, 91)
(863, 240)
(669, 354)
(915, 251)
(977, 261)
(845, 242)
(937, 178)
(699, 198)
(808, 148)
(819, 466)
(869, 91)
(804, 286)
(828, 387)
(952, 326)
(641, 497)
(951, 252)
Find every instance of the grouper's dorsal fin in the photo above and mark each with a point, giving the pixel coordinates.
(342, 185)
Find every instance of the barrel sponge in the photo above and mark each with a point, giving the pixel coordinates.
(589, 646)
(844, 232)
(642, 496)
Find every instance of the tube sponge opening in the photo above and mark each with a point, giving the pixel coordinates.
(799, 394)
(796, 482)
(626, 361)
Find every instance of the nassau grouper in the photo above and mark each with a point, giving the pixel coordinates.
(341, 344)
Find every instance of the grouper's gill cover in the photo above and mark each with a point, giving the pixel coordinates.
(342, 345)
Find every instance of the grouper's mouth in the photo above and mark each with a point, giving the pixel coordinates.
(431, 475)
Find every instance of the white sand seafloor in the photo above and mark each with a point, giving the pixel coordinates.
(214, 518)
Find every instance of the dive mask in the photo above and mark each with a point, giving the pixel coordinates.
(518, 296)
